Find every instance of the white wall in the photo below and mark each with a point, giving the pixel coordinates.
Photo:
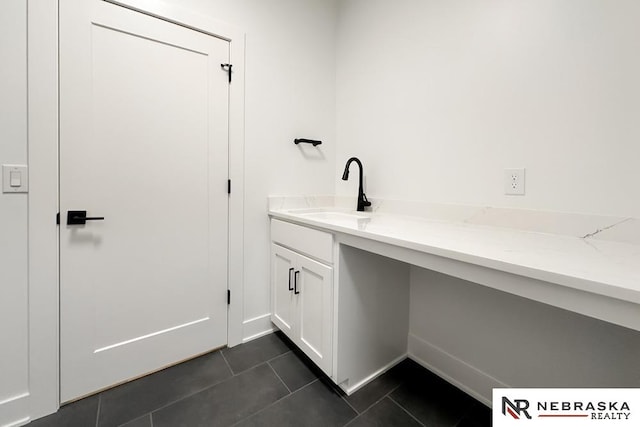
(514, 341)
(13, 209)
(290, 93)
(438, 97)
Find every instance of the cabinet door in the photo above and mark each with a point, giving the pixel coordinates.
(314, 289)
(283, 313)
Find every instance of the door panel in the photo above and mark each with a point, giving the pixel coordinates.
(283, 307)
(144, 143)
(315, 302)
(119, 74)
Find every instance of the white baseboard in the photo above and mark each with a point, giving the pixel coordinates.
(20, 422)
(373, 376)
(15, 411)
(455, 371)
(257, 327)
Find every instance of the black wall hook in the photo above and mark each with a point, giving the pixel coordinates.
(306, 141)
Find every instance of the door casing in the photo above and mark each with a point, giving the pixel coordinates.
(42, 114)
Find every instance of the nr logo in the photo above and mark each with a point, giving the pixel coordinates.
(516, 409)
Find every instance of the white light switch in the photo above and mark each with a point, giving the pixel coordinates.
(14, 179)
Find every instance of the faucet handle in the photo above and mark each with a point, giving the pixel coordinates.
(365, 201)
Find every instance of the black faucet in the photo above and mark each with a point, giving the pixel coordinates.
(362, 199)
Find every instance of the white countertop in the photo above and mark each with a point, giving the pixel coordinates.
(586, 261)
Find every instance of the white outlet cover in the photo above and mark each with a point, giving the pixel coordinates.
(514, 182)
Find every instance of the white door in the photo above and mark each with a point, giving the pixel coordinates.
(144, 144)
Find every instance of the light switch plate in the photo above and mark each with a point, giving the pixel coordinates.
(7, 171)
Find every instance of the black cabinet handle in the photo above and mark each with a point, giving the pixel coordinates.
(306, 141)
(81, 218)
(290, 270)
(295, 283)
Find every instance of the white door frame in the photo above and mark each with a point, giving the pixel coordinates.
(42, 54)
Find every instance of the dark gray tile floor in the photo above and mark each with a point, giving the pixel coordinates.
(267, 382)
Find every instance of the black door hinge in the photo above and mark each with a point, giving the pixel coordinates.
(58, 218)
(228, 296)
(229, 186)
(227, 68)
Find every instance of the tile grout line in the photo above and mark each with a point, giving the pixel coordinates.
(98, 411)
(187, 396)
(280, 355)
(233, 374)
(274, 403)
(388, 394)
(352, 420)
(257, 364)
(344, 398)
(146, 415)
(197, 391)
(281, 380)
(166, 370)
(217, 383)
(405, 410)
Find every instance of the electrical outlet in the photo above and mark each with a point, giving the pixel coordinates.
(514, 181)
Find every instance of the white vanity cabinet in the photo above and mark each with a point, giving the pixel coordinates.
(345, 308)
(302, 289)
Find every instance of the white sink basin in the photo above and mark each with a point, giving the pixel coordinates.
(333, 216)
(348, 219)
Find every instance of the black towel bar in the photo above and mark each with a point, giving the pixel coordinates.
(306, 141)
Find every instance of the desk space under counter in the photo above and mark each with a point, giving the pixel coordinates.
(372, 258)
